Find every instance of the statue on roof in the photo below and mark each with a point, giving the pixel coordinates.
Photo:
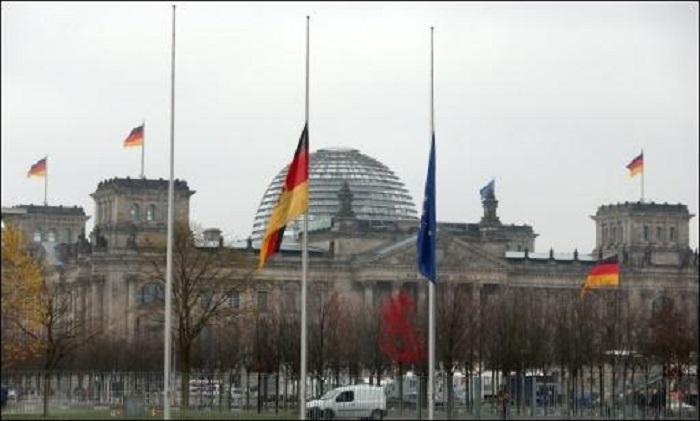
(345, 199)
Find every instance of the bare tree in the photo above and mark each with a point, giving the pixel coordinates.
(452, 306)
(323, 333)
(45, 317)
(204, 280)
(373, 359)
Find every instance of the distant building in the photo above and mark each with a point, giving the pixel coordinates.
(353, 252)
(52, 224)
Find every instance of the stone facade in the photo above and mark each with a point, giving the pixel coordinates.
(368, 260)
(132, 211)
(52, 224)
(644, 233)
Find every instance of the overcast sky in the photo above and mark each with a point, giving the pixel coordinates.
(551, 99)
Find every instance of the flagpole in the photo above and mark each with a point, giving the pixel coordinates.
(642, 175)
(304, 262)
(143, 146)
(431, 285)
(46, 180)
(169, 261)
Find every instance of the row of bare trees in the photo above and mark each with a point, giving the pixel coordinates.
(510, 330)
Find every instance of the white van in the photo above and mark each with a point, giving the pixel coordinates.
(355, 401)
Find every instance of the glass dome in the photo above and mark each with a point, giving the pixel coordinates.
(378, 194)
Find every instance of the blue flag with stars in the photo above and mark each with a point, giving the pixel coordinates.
(427, 263)
(489, 190)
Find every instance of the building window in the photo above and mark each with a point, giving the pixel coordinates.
(69, 236)
(150, 293)
(290, 301)
(672, 234)
(621, 231)
(614, 235)
(605, 233)
(151, 212)
(206, 301)
(659, 234)
(52, 236)
(661, 305)
(646, 233)
(37, 236)
(235, 300)
(262, 300)
(135, 212)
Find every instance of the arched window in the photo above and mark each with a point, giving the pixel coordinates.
(151, 213)
(150, 293)
(37, 236)
(52, 236)
(135, 212)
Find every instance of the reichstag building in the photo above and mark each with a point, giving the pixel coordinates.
(362, 236)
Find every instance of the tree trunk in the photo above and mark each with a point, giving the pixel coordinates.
(450, 394)
(47, 390)
(401, 389)
(277, 393)
(185, 378)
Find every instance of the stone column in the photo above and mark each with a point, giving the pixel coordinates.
(369, 293)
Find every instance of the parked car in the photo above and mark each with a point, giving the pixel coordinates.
(674, 406)
(237, 399)
(355, 401)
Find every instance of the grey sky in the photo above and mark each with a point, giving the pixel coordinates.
(552, 99)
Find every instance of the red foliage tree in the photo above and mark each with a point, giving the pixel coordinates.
(400, 340)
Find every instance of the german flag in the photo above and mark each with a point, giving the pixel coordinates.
(135, 138)
(637, 165)
(38, 169)
(292, 202)
(606, 272)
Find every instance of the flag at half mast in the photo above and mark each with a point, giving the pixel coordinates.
(427, 263)
(38, 169)
(605, 272)
(292, 202)
(135, 138)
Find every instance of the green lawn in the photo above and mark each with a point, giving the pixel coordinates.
(85, 414)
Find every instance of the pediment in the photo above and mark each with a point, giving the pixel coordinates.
(453, 253)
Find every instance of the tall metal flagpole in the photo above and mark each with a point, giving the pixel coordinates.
(643, 175)
(169, 264)
(304, 256)
(431, 285)
(143, 146)
(46, 180)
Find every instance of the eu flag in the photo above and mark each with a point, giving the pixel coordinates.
(489, 190)
(427, 263)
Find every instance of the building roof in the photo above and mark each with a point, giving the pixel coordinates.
(44, 210)
(378, 194)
